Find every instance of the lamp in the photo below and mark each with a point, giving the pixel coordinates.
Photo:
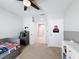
(27, 3)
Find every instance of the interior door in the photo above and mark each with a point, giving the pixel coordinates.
(41, 33)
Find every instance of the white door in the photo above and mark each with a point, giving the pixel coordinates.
(41, 31)
(55, 39)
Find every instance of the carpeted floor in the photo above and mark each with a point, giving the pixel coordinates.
(40, 51)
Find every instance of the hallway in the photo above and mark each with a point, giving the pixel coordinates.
(41, 34)
(40, 51)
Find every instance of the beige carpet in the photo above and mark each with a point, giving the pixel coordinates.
(40, 51)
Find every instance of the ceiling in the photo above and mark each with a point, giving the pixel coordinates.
(47, 6)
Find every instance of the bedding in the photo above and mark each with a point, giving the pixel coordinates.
(6, 47)
(3, 49)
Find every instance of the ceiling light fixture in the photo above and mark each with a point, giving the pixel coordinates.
(27, 3)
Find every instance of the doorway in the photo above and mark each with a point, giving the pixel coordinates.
(41, 33)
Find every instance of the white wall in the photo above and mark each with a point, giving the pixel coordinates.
(10, 25)
(27, 21)
(71, 22)
(72, 17)
(55, 39)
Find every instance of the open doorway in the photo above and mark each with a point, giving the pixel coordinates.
(41, 33)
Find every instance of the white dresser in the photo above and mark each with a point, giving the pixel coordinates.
(72, 50)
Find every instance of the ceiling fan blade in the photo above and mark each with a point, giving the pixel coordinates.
(35, 6)
(25, 8)
(32, 4)
(19, 0)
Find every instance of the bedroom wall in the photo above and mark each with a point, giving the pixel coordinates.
(72, 35)
(72, 17)
(27, 21)
(10, 24)
(72, 22)
(55, 39)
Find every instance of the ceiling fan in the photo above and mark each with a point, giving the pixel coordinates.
(28, 3)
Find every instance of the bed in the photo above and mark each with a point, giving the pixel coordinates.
(7, 48)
